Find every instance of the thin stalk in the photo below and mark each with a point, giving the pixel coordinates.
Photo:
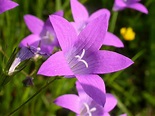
(113, 21)
(39, 91)
(58, 5)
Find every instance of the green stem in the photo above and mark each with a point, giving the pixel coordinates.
(39, 91)
(113, 21)
(58, 5)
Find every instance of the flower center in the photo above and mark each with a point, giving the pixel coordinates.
(89, 111)
(48, 37)
(79, 58)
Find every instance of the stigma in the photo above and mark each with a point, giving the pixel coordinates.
(79, 58)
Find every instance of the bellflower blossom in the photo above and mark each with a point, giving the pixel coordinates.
(80, 55)
(7, 5)
(42, 36)
(83, 105)
(82, 18)
(134, 4)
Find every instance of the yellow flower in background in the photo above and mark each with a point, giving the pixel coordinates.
(127, 33)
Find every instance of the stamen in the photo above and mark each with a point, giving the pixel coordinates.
(89, 111)
(79, 57)
(93, 109)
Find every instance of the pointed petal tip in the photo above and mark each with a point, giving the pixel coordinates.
(55, 65)
(34, 24)
(7, 5)
(59, 13)
(79, 11)
(69, 101)
(110, 61)
(139, 7)
(111, 102)
(94, 86)
(112, 40)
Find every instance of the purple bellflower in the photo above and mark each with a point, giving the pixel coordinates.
(7, 5)
(83, 105)
(42, 36)
(80, 55)
(82, 18)
(134, 4)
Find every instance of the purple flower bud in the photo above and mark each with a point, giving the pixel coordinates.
(28, 81)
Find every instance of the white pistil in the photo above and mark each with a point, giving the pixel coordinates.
(79, 57)
(89, 111)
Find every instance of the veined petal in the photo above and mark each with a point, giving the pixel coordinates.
(69, 101)
(93, 34)
(55, 65)
(138, 6)
(65, 32)
(7, 5)
(110, 103)
(98, 13)
(112, 40)
(30, 40)
(94, 86)
(34, 24)
(82, 94)
(109, 61)
(79, 12)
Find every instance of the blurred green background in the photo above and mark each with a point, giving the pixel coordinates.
(134, 87)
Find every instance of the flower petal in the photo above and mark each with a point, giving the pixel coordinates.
(65, 32)
(110, 103)
(30, 40)
(48, 26)
(59, 13)
(55, 65)
(82, 94)
(69, 101)
(138, 6)
(100, 12)
(93, 34)
(119, 5)
(112, 40)
(108, 61)
(106, 114)
(94, 86)
(79, 12)
(7, 5)
(123, 115)
(34, 24)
